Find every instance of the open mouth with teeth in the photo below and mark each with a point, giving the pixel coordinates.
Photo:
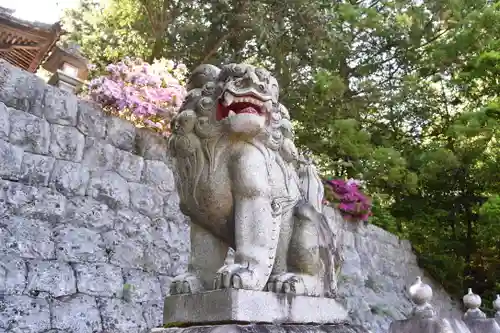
(231, 105)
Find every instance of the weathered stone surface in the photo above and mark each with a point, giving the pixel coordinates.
(133, 224)
(142, 286)
(158, 174)
(91, 119)
(10, 160)
(54, 277)
(89, 213)
(151, 145)
(24, 314)
(145, 199)
(121, 133)
(120, 316)
(21, 90)
(99, 280)
(29, 132)
(153, 314)
(31, 239)
(70, 178)
(110, 188)
(165, 240)
(76, 244)
(128, 165)
(66, 143)
(98, 155)
(250, 306)
(60, 107)
(161, 260)
(124, 251)
(171, 209)
(78, 314)
(14, 195)
(4, 122)
(36, 169)
(13, 272)
(46, 205)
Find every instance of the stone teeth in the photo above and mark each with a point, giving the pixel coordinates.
(228, 99)
(251, 100)
(231, 113)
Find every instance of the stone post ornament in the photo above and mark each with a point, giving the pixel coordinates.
(496, 306)
(472, 302)
(421, 294)
(474, 318)
(423, 318)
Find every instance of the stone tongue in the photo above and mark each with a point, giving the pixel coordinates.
(249, 109)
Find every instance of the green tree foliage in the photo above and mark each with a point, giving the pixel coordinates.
(402, 93)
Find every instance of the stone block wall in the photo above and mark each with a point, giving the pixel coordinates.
(377, 272)
(90, 231)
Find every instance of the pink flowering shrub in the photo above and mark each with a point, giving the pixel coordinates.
(148, 95)
(348, 198)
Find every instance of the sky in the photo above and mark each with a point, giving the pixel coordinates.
(45, 11)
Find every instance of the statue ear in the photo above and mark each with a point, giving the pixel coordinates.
(201, 75)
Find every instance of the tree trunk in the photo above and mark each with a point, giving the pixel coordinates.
(157, 51)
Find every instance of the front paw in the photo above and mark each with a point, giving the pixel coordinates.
(288, 283)
(234, 276)
(185, 284)
(297, 284)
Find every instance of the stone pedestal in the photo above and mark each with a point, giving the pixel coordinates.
(423, 318)
(263, 328)
(246, 306)
(475, 319)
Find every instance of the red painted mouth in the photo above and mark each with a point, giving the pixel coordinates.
(238, 105)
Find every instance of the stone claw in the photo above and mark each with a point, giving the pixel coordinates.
(185, 284)
(233, 276)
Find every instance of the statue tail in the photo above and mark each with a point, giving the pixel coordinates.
(330, 256)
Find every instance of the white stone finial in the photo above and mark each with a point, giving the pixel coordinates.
(496, 304)
(471, 300)
(420, 292)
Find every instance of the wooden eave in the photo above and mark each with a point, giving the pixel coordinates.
(25, 44)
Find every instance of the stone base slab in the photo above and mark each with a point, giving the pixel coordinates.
(246, 306)
(263, 328)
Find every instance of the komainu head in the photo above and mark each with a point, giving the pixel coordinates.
(238, 99)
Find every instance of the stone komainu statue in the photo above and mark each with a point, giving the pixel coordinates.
(243, 184)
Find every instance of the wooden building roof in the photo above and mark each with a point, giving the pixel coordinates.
(26, 44)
